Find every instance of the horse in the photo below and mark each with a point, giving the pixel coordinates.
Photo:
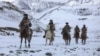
(66, 37)
(26, 34)
(76, 36)
(49, 36)
(83, 37)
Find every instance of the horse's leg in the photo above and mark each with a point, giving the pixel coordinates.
(65, 42)
(76, 40)
(69, 41)
(50, 41)
(29, 40)
(29, 43)
(46, 41)
(82, 41)
(25, 43)
(85, 41)
(21, 42)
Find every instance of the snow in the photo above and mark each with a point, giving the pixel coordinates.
(5, 23)
(13, 15)
(9, 45)
(73, 3)
(7, 0)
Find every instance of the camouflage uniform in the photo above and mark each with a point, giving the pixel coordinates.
(66, 28)
(52, 29)
(84, 29)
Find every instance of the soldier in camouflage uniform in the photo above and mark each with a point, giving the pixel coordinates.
(66, 28)
(52, 29)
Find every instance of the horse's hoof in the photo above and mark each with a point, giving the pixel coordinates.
(49, 44)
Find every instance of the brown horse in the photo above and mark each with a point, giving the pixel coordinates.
(76, 36)
(66, 37)
(83, 37)
(26, 34)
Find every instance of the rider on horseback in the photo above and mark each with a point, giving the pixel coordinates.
(25, 23)
(49, 32)
(76, 30)
(25, 31)
(84, 29)
(84, 34)
(76, 33)
(66, 28)
(66, 34)
(50, 27)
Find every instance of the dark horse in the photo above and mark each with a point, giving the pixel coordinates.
(26, 33)
(66, 37)
(83, 37)
(76, 36)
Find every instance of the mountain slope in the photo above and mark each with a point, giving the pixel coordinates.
(11, 15)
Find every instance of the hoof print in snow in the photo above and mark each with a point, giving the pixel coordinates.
(57, 45)
(11, 51)
(94, 53)
(18, 52)
(98, 49)
(32, 51)
(72, 49)
(25, 51)
(75, 47)
(69, 51)
(48, 54)
(2, 54)
(38, 50)
(55, 49)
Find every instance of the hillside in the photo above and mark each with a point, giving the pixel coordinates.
(40, 12)
(11, 16)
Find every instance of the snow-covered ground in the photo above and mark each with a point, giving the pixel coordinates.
(9, 45)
